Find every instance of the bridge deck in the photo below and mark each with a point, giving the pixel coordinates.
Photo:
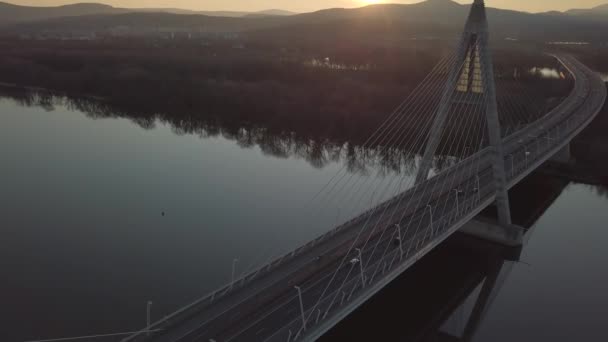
(263, 306)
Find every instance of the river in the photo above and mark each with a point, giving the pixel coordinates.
(103, 214)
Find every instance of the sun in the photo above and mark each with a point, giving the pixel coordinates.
(371, 2)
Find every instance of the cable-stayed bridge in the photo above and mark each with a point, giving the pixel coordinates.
(304, 293)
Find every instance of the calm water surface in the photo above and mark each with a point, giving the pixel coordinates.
(559, 292)
(100, 215)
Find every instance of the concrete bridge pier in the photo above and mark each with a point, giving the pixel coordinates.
(508, 235)
(563, 156)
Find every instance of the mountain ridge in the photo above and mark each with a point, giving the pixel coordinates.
(431, 18)
(597, 10)
(11, 13)
(15, 13)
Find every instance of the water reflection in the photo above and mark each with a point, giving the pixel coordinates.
(548, 73)
(318, 151)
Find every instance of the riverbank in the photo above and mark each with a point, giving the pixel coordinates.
(341, 95)
(40, 90)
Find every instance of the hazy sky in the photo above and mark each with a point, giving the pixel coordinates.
(310, 5)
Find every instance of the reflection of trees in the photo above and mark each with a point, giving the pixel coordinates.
(273, 140)
(317, 152)
(600, 190)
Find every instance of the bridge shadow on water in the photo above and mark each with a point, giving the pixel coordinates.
(445, 295)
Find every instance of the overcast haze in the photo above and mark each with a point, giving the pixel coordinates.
(310, 5)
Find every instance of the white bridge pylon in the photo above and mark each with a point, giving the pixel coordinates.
(472, 73)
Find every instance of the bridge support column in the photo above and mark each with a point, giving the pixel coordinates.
(474, 56)
(507, 235)
(494, 132)
(563, 156)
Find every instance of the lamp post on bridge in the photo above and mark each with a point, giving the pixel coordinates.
(301, 307)
(457, 204)
(525, 150)
(148, 308)
(398, 226)
(478, 187)
(233, 271)
(537, 143)
(361, 266)
(430, 208)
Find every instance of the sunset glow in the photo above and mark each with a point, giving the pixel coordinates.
(371, 2)
(310, 5)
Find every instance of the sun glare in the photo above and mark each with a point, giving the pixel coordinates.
(371, 2)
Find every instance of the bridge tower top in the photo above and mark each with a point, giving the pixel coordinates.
(477, 21)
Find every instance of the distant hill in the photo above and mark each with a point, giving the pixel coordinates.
(439, 18)
(598, 13)
(270, 12)
(141, 22)
(231, 14)
(10, 14)
(276, 12)
(428, 19)
(598, 10)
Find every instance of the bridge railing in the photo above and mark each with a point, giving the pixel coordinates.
(391, 262)
(562, 127)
